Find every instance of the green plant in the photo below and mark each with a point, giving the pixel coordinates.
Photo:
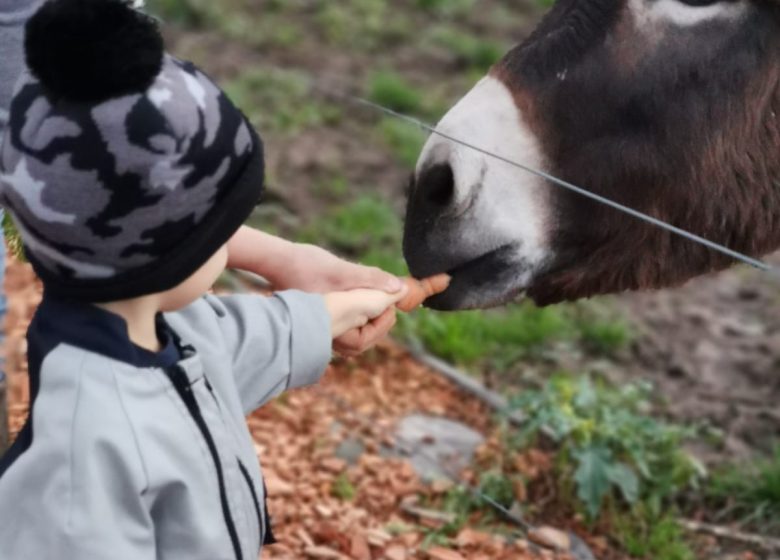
(604, 337)
(343, 489)
(447, 7)
(189, 13)
(609, 445)
(498, 488)
(12, 238)
(357, 23)
(357, 228)
(474, 52)
(750, 492)
(644, 535)
(279, 100)
(470, 337)
(405, 140)
(393, 91)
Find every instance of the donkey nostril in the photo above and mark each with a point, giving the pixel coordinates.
(438, 185)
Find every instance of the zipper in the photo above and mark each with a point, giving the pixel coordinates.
(181, 383)
(263, 518)
(252, 491)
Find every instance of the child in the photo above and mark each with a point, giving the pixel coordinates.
(127, 171)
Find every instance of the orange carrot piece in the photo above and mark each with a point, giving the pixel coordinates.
(420, 290)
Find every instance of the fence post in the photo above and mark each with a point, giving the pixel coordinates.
(3, 413)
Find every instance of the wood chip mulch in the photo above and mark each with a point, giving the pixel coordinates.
(322, 506)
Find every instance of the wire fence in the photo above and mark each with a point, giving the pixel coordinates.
(237, 282)
(431, 129)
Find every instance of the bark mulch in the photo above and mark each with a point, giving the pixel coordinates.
(323, 506)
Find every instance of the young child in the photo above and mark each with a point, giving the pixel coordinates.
(127, 171)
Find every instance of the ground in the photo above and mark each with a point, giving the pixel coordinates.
(324, 506)
(368, 504)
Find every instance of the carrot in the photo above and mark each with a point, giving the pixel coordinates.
(420, 290)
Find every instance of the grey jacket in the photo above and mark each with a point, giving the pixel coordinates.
(130, 455)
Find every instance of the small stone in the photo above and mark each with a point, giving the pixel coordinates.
(333, 465)
(359, 549)
(278, 487)
(324, 511)
(550, 538)
(378, 537)
(322, 552)
(438, 553)
(395, 552)
(350, 450)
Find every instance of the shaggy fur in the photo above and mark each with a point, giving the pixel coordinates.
(686, 130)
(119, 50)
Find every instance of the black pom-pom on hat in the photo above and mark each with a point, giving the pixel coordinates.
(93, 50)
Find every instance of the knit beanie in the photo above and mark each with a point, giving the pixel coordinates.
(124, 168)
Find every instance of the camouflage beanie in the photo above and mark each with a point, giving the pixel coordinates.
(124, 168)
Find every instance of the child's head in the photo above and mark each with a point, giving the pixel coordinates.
(125, 169)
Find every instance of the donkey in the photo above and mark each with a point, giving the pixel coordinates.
(671, 107)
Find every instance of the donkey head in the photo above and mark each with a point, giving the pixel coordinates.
(671, 107)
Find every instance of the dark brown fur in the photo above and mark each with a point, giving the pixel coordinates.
(692, 138)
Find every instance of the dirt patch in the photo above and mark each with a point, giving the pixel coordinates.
(712, 348)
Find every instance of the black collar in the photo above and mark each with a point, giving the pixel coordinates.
(94, 329)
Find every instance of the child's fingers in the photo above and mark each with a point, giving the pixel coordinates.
(379, 302)
(357, 341)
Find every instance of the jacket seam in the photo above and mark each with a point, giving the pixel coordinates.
(84, 355)
(131, 427)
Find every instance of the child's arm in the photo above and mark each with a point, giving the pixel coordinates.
(287, 265)
(296, 266)
(272, 344)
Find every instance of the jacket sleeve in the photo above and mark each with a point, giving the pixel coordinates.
(275, 343)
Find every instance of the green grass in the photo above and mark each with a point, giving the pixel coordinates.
(474, 52)
(394, 92)
(405, 140)
(448, 8)
(278, 100)
(652, 538)
(364, 24)
(357, 228)
(604, 337)
(750, 492)
(188, 13)
(469, 338)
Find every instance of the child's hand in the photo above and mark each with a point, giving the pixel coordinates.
(357, 308)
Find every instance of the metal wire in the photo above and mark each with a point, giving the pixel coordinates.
(236, 285)
(453, 477)
(736, 255)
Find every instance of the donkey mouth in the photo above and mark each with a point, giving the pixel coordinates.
(484, 263)
(486, 281)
